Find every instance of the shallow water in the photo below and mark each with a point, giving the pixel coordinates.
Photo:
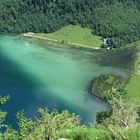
(51, 77)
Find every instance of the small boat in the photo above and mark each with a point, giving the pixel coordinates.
(27, 44)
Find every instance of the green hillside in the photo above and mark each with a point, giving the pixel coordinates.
(133, 86)
(75, 34)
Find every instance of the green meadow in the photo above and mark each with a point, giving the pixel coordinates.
(133, 86)
(75, 35)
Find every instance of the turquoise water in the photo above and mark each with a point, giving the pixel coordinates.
(51, 77)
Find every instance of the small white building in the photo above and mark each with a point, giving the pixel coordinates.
(105, 41)
(30, 33)
(108, 48)
(63, 139)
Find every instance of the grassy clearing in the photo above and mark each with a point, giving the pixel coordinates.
(133, 86)
(75, 35)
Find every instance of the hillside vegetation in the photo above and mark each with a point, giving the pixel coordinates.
(133, 86)
(116, 19)
(75, 35)
(123, 124)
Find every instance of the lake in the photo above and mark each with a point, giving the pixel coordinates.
(36, 76)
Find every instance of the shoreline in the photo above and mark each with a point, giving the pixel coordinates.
(90, 87)
(74, 45)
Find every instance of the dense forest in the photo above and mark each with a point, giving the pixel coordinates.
(116, 19)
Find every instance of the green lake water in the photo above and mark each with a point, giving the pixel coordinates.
(36, 76)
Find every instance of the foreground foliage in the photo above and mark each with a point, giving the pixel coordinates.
(123, 120)
(123, 124)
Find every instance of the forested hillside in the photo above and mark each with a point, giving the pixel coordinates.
(117, 19)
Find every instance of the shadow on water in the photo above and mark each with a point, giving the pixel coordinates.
(27, 93)
(18, 84)
(22, 90)
(122, 58)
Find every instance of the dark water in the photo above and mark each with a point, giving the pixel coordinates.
(51, 77)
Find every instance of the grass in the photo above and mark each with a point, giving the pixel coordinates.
(75, 35)
(133, 86)
(85, 133)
